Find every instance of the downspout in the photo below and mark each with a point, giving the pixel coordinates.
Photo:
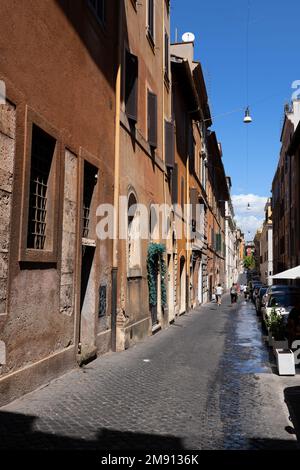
(114, 272)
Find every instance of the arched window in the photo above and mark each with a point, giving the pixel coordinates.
(134, 233)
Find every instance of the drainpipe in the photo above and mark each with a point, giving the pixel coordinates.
(114, 271)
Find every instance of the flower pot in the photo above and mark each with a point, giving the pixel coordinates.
(285, 362)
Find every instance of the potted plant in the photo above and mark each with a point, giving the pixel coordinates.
(277, 330)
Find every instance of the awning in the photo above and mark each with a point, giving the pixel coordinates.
(293, 273)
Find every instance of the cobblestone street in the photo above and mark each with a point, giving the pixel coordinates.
(205, 383)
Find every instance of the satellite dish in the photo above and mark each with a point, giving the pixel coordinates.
(188, 37)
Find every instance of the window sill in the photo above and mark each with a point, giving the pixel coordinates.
(134, 273)
(38, 256)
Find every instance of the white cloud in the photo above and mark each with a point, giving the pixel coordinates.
(249, 220)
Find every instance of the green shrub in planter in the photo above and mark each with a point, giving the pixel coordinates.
(275, 324)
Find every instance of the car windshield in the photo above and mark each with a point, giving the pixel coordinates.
(262, 291)
(285, 299)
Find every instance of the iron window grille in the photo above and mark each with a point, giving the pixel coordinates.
(42, 151)
(90, 180)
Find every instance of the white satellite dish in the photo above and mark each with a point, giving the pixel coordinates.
(188, 37)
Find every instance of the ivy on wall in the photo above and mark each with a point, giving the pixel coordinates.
(155, 265)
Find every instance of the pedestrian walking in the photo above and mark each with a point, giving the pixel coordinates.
(219, 292)
(233, 293)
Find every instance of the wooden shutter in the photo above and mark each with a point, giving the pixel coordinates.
(166, 55)
(191, 147)
(131, 86)
(169, 144)
(175, 184)
(182, 195)
(194, 202)
(152, 119)
(151, 18)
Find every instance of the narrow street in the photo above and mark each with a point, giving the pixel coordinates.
(205, 383)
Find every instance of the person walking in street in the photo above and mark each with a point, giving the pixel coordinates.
(233, 293)
(219, 292)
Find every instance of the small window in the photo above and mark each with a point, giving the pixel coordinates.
(131, 86)
(98, 8)
(182, 196)
(40, 213)
(174, 185)
(166, 56)
(169, 144)
(89, 190)
(152, 119)
(150, 25)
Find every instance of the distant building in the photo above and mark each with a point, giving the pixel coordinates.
(257, 254)
(266, 246)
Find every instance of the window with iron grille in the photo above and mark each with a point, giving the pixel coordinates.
(90, 180)
(98, 8)
(40, 197)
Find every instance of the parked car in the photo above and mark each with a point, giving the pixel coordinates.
(282, 301)
(279, 288)
(259, 301)
(255, 292)
(252, 286)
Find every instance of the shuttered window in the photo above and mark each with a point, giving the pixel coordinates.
(175, 184)
(166, 55)
(131, 86)
(182, 193)
(152, 119)
(151, 19)
(194, 201)
(191, 147)
(169, 144)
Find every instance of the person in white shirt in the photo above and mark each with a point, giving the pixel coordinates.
(219, 292)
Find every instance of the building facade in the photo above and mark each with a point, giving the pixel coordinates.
(105, 126)
(56, 140)
(285, 194)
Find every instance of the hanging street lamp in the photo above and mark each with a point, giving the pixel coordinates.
(247, 118)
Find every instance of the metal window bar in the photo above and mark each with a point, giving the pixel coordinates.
(41, 158)
(86, 221)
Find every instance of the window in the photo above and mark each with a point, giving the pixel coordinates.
(88, 209)
(169, 144)
(150, 25)
(131, 85)
(175, 184)
(191, 147)
(133, 237)
(182, 194)
(203, 170)
(98, 8)
(40, 195)
(166, 56)
(152, 119)
(40, 222)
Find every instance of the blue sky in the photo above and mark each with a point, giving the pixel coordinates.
(220, 30)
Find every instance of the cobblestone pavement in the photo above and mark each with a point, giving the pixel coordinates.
(204, 383)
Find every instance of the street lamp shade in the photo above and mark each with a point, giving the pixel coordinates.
(247, 118)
